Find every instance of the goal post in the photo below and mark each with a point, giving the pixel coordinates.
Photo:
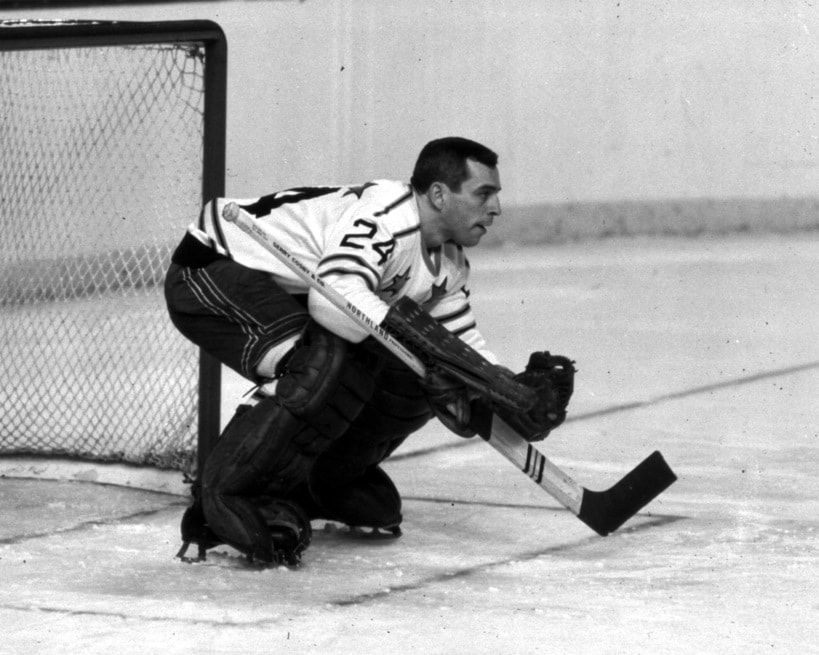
(113, 135)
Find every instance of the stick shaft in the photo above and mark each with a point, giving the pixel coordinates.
(503, 438)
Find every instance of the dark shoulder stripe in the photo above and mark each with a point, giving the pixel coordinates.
(363, 263)
(395, 204)
(464, 329)
(448, 318)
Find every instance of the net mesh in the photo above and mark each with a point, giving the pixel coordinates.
(101, 170)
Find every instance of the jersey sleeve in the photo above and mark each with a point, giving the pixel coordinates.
(454, 312)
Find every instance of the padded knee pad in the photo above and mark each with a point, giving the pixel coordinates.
(327, 381)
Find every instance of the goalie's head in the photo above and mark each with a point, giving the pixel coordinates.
(445, 160)
(457, 183)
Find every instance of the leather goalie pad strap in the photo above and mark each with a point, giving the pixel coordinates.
(439, 349)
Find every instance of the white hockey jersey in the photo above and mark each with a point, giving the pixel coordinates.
(364, 241)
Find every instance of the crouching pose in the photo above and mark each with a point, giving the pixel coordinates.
(333, 404)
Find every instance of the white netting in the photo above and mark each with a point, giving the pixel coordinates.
(100, 171)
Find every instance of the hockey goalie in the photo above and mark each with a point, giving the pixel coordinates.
(331, 403)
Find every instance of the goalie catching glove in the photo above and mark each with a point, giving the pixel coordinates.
(552, 378)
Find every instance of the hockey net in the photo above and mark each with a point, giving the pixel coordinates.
(103, 166)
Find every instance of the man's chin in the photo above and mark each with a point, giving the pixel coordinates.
(472, 238)
(477, 234)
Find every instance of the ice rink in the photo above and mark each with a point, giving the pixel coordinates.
(705, 349)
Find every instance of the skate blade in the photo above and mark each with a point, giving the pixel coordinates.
(365, 533)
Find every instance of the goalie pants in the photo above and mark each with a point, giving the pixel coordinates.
(237, 314)
(232, 312)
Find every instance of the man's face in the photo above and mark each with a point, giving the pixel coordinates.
(468, 212)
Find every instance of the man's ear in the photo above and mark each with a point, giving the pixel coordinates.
(437, 194)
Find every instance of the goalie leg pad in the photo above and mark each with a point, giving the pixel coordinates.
(257, 451)
(369, 500)
(270, 448)
(346, 482)
(398, 407)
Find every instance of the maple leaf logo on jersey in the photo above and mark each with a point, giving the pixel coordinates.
(438, 291)
(397, 283)
(358, 190)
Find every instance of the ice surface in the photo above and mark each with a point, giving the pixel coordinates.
(705, 349)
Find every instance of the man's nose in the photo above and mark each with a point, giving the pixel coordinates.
(495, 206)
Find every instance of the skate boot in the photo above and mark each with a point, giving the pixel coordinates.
(290, 529)
(195, 530)
(288, 525)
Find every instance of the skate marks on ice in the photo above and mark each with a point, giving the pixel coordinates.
(448, 576)
(126, 569)
(42, 509)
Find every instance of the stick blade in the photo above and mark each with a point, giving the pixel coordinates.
(605, 511)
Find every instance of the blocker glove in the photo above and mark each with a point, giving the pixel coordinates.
(551, 377)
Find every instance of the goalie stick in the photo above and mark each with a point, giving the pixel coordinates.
(603, 511)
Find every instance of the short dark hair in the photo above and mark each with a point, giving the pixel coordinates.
(444, 160)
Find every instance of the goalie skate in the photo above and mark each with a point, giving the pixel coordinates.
(289, 527)
(195, 530)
